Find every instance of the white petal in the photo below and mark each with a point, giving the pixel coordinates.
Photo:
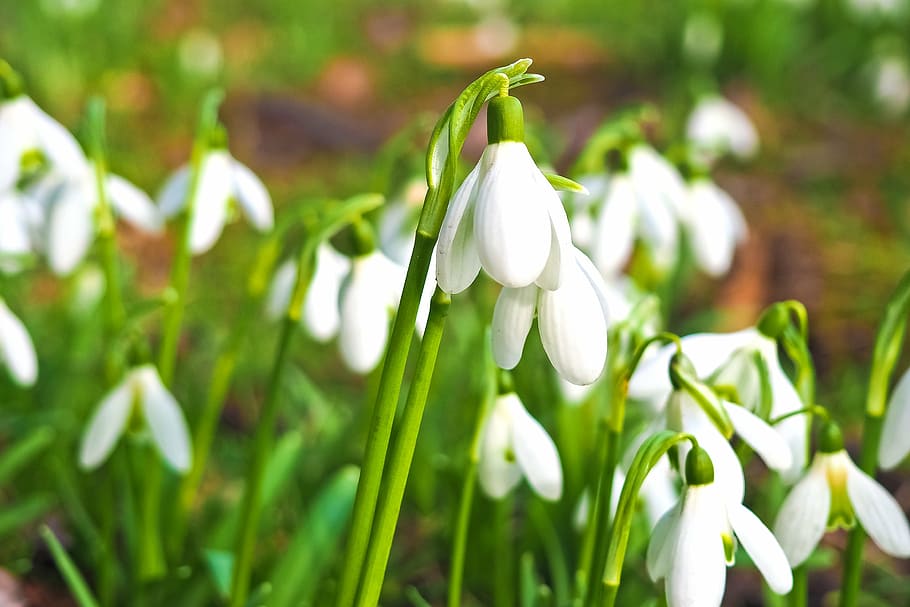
(16, 348)
(165, 420)
(497, 470)
(14, 232)
(172, 197)
(134, 205)
(762, 547)
(562, 253)
(659, 491)
(512, 225)
(281, 289)
(878, 512)
(321, 313)
(70, 230)
(712, 234)
(254, 199)
(803, 517)
(106, 425)
(364, 317)
(785, 399)
(895, 440)
(573, 328)
(764, 439)
(512, 318)
(718, 126)
(457, 263)
(698, 573)
(535, 452)
(58, 144)
(662, 543)
(615, 229)
(211, 202)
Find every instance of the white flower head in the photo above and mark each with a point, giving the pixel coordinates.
(505, 217)
(140, 396)
(16, 235)
(717, 127)
(221, 181)
(715, 225)
(30, 136)
(836, 493)
(891, 85)
(17, 352)
(895, 440)
(399, 219)
(572, 320)
(694, 542)
(515, 445)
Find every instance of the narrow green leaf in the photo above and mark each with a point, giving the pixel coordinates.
(68, 569)
(529, 581)
(221, 565)
(416, 599)
(24, 451)
(888, 343)
(15, 517)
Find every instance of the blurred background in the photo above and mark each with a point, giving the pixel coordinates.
(315, 89)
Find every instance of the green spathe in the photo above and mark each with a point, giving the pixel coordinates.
(699, 468)
(505, 120)
(830, 438)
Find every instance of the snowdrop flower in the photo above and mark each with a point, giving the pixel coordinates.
(703, 37)
(728, 359)
(695, 541)
(140, 396)
(221, 182)
(717, 126)
(895, 440)
(715, 224)
(836, 493)
(398, 223)
(71, 203)
(505, 217)
(572, 320)
(17, 353)
(891, 86)
(16, 241)
(515, 445)
(28, 135)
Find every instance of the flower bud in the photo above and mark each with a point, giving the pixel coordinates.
(699, 468)
(830, 438)
(505, 120)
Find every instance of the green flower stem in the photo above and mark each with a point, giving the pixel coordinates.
(504, 554)
(402, 454)
(799, 596)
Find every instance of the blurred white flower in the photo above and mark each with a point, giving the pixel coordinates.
(695, 541)
(703, 37)
(17, 219)
(717, 127)
(715, 225)
(894, 444)
(28, 136)
(572, 320)
(17, 353)
(506, 218)
(398, 223)
(200, 53)
(140, 396)
(71, 8)
(515, 445)
(876, 8)
(891, 85)
(835, 493)
(221, 182)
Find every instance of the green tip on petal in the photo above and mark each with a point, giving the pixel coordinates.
(505, 120)
(830, 438)
(699, 468)
(773, 321)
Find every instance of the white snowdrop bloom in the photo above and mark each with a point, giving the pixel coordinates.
(717, 127)
(505, 217)
(728, 359)
(71, 205)
(876, 8)
(695, 541)
(222, 181)
(29, 136)
(572, 320)
(141, 398)
(715, 225)
(515, 445)
(891, 86)
(398, 223)
(17, 352)
(835, 493)
(16, 240)
(703, 37)
(895, 439)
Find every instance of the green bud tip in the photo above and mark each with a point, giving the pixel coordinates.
(773, 321)
(218, 138)
(699, 468)
(364, 237)
(680, 365)
(504, 383)
(505, 120)
(830, 438)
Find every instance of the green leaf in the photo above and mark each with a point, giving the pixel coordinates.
(888, 343)
(565, 184)
(416, 599)
(221, 565)
(68, 569)
(20, 454)
(25, 511)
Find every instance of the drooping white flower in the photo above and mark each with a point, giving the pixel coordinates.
(505, 217)
(835, 493)
(17, 353)
(16, 230)
(703, 37)
(399, 219)
(221, 181)
(70, 204)
(695, 541)
(717, 127)
(728, 359)
(715, 225)
(572, 320)
(29, 136)
(515, 445)
(140, 396)
(895, 439)
(891, 84)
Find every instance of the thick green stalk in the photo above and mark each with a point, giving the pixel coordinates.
(383, 416)
(799, 596)
(503, 555)
(403, 454)
(252, 494)
(460, 540)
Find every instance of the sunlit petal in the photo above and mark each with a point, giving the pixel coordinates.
(535, 452)
(512, 318)
(802, 518)
(457, 262)
(878, 512)
(106, 425)
(762, 547)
